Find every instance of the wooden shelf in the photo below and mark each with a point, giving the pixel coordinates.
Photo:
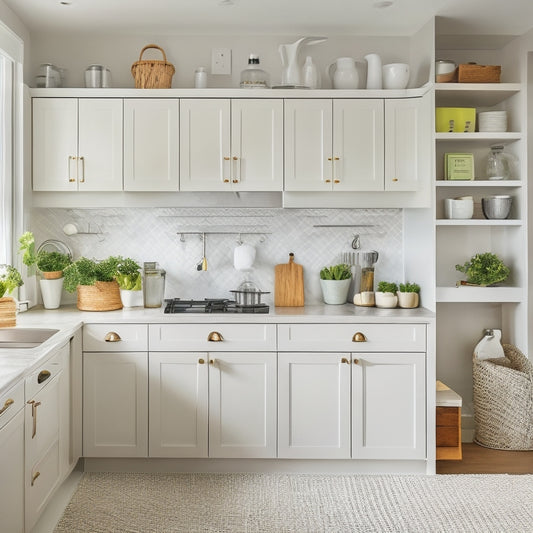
(466, 294)
(474, 94)
(478, 183)
(504, 136)
(476, 222)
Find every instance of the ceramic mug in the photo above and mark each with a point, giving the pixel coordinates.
(395, 76)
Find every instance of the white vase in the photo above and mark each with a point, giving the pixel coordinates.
(408, 300)
(131, 298)
(335, 291)
(374, 72)
(51, 290)
(386, 300)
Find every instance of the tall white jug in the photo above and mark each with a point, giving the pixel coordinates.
(374, 72)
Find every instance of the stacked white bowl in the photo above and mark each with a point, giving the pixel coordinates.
(492, 121)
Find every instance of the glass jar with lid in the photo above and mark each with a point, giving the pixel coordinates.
(500, 166)
(253, 77)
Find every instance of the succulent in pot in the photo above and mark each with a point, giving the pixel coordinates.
(386, 296)
(10, 279)
(408, 295)
(335, 283)
(129, 279)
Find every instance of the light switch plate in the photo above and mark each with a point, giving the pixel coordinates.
(221, 61)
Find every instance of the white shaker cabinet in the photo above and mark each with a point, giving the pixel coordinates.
(231, 145)
(334, 145)
(77, 144)
(388, 406)
(151, 144)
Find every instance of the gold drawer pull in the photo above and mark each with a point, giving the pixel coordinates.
(201, 361)
(8, 403)
(356, 361)
(328, 181)
(394, 179)
(215, 336)
(43, 376)
(344, 360)
(34, 406)
(359, 337)
(112, 336)
(34, 477)
(336, 181)
(212, 362)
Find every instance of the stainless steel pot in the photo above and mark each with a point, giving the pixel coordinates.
(248, 294)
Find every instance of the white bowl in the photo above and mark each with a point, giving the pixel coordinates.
(458, 208)
(395, 76)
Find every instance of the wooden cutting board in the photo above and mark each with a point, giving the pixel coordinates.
(289, 284)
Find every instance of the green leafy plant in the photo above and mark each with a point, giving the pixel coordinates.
(10, 279)
(337, 272)
(128, 275)
(484, 269)
(44, 260)
(88, 271)
(387, 286)
(409, 287)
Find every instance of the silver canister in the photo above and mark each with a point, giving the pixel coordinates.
(154, 285)
(94, 75)
(49, 76)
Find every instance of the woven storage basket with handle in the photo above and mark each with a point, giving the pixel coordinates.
(102, 296)
(152, 73)
(503, 401)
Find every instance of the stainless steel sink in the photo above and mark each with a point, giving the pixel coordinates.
(24, 337)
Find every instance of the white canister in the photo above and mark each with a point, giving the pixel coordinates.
(200, 78)
(395, 76)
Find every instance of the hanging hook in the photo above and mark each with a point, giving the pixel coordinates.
(356, 243)
(239, 240)
(182, 237)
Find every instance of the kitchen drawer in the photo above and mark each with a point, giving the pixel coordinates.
(344, 338)
(127, 338)
(43, 375)
(194, 337)
(11, 402)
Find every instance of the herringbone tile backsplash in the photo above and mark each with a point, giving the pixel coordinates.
(153, 234)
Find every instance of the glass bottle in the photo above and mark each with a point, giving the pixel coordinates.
(253, 77)
(500, 166)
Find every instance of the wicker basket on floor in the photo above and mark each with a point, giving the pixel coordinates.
(503, 401)
(102, 296)
(152, 73)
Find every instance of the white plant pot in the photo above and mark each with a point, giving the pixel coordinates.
(386, 300)
(335, 291)
(408, 300)
(51, 290)
(131, 298)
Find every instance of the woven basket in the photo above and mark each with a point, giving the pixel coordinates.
(152, 73)
(102, 296)
(8, 312)
(503, 401)
(472, 73)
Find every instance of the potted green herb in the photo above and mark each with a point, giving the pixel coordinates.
(335, 283)
(386, 294)
(95, 283)
(10, 279)
(51, 266)
(128, 276)
(484, 270)
(408, 295)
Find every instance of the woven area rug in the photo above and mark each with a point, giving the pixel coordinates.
(145, 503)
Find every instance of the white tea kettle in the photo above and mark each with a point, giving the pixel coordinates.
(343, 73)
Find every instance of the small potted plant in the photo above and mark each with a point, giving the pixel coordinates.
(51, 266)
(335, 283)
(10, 279)
(95, 283)
(484, 270)
(128, 276)
(386, 294)
(408, 295)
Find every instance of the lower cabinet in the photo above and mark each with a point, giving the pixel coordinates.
(206, 404)
(376, 402)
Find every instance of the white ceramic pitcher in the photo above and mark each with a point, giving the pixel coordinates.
(343, 73)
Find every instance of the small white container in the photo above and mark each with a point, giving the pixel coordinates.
(458, 208)
(395, 76)
(200, 78)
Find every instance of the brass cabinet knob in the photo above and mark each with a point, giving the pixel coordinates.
(328, 181)
(235, 181)
(336, 158)
(359, 337)
(215, 336)
(43, 376)
(112, 336)
(211, 362)
(34, 477)
(336, 181)
(356, 361)
(226, 159)
(330, 159)
(226, 180)
(394, 179)
(201, 361)
(344, 360)
(8, 402)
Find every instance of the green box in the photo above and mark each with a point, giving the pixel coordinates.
(459, 166)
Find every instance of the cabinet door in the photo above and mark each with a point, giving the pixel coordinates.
(388, 406)
(308, 145)
(151, 148)
(55, 144)
(12, 469)
(100, 144)
(358, 145)
(314, 405)
(407, 129)
(205, 163)
(242, 405)
(115, 404)
(178, 405)
(257, 145)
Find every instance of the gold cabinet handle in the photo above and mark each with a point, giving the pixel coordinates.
(359, 337)
(336, 181)
(70, 159)
(356, 361)
(34, 477)
(212, 362)
(34, 406)
(215, 336)
(201, 361)
(334, 174)
(82, 159)
(344, 360)
(330, 159)
(394, 179)
(225, 164)
(43, 376)
(112, 336)
(7, 404)
(328, 181)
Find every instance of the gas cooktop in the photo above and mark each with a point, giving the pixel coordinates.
(176, 305)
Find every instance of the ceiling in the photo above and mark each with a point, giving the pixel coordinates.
(355, 17)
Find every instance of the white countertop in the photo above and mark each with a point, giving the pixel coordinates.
(16, 364)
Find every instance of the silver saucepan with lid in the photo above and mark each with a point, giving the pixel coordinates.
(248, 293)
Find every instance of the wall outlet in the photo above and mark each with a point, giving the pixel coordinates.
(221, 61)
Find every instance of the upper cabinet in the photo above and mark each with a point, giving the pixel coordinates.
(151, 152)
(231, 145)
(77, 144)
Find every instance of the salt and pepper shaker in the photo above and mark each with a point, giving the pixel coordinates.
(200, 78)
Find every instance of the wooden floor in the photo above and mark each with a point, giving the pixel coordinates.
(480, 460)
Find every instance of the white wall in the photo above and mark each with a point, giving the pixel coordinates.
(12, 21)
